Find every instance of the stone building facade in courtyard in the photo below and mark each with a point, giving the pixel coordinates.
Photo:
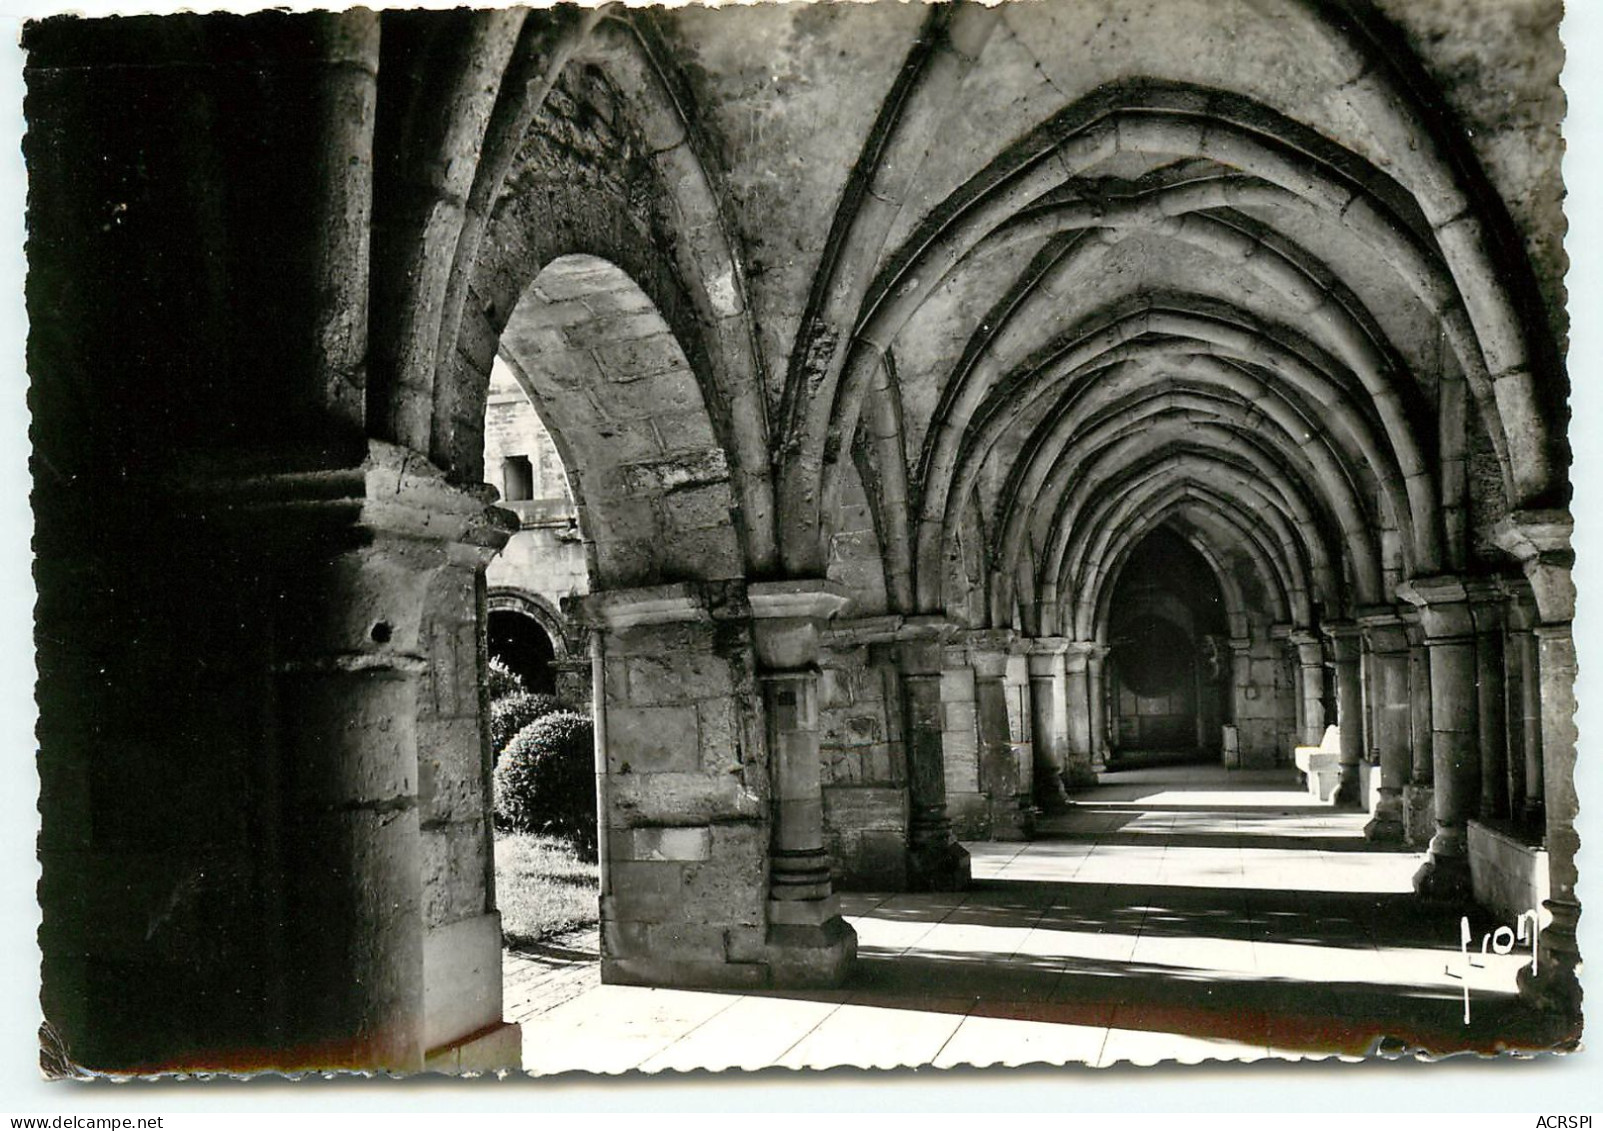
(951, 399)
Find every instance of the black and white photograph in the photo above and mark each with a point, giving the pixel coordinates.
(590, 541)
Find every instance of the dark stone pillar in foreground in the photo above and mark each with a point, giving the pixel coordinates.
(936, 861)
(347, 607)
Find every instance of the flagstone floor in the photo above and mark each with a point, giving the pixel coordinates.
(1176, 913)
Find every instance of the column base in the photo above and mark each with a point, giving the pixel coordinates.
(1050, 796)
(495, 1048)
(810, 955)
(938, 866)
(1079, 775)
(1386, 826)
(1016, 822)
(1419, 814)
(1349, 790)
(1554, 987)
(1445, 879)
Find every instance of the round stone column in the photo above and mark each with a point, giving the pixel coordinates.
(1012, 816)
(1419, 792)
(1310, 685)
(1524, 708)
(1077, 771)
(1045, 659)
(1386, 642)
(936, 861)
(1345, 646)
(809, 944)
(1450, 640)
(1096, 664)
(1487, 609)
(347, 620)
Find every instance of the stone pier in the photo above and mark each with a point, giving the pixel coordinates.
(1386, 648)
(1450, 641)
(935, 860)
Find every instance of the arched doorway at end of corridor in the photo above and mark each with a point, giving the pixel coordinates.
(1167, 631)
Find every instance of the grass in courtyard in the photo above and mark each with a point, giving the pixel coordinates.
(542, 887)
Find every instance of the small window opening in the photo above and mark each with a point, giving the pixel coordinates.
(517, 478)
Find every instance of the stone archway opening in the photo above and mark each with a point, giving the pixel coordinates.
(1169, 693)
(524, 647)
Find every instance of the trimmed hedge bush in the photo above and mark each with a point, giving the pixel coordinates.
(504, 681)
(512, 713)
(545, 781)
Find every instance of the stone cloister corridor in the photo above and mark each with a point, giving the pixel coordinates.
(1176, 913)
(939, 405)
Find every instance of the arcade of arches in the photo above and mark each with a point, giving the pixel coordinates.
(953, 400)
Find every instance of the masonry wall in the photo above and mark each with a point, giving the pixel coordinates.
(462, 939)
(864, 768)
(1265, 706)
(686, 805)
(546, 556)
(968, 808)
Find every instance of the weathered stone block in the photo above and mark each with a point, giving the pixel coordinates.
(461, 979)
(718, 724)
(862, 808)
(652, 740)
(669, 843)
(1509, 876)
(679, 798)
(450, 770)
(676, 679)
(453, 872)
(728, 890)
(970, 814)
(961, 760)
(878, 864)
(648, 891)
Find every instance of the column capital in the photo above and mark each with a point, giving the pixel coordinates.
(1046, 645)
(1384, 630)
(813, 598)
(1488, 603)
(921, 645)
(927, 627)
(1522, 611)
(1310, 647)
(988, 650)
(857, 631)
(1345, 638)
(1077, 653)
(614, 609)
(1042, 655)
(316, 500)
(1443, 606)
(786, 618)
(1540, 540)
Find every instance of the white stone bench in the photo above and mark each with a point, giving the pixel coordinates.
(1321, 765)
